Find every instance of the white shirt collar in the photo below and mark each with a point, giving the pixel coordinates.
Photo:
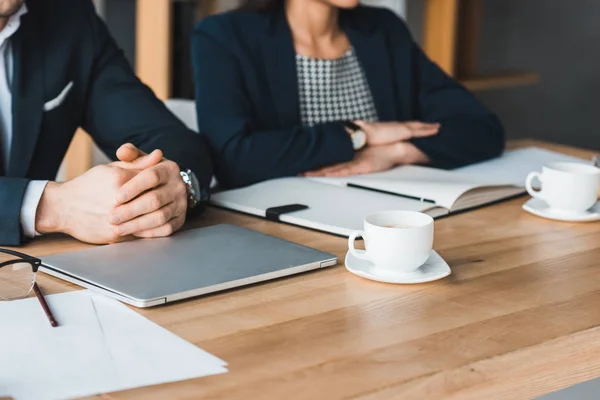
(13, 24)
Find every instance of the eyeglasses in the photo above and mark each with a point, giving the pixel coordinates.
(17, 280)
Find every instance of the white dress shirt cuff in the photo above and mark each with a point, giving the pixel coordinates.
(32, 197)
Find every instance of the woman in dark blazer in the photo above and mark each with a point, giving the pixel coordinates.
(277, 82)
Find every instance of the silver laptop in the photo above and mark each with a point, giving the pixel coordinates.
(589, 390)
(146, 273)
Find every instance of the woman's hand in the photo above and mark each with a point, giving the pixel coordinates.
(388, 147)
(381, 133)
(375, 159)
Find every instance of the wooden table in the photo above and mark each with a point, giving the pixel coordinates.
(518, 317)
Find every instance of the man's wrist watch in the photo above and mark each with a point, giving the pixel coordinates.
(194, 191)
(357, 135)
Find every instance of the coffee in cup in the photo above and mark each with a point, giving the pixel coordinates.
(396, 241)
(566, 186)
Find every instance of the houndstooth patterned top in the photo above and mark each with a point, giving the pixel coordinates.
(333, 90)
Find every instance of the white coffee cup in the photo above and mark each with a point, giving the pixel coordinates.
(398, 241)
(566, 186)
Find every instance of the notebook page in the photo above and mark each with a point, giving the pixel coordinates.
(514, 166)
(440, 186)
(447, 187)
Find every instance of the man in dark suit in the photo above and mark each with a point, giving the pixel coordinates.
(60, 70)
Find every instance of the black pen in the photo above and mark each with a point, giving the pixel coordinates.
(352, 185)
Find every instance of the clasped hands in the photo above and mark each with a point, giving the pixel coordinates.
(141, 195)
(387, 146)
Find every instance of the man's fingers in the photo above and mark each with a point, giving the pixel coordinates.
(148, 221)
(128, 152)
(145, 180)
(146, 203)
(131, 157)
(163, 230)
(148, 160)
(142, 162)
(120, 239)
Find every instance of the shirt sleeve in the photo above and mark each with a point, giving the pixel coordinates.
(32, 197)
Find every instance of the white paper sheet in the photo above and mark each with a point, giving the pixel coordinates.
(100, 346)
(514, 165)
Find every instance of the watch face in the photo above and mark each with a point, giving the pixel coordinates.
(193, 188)
(359, 139)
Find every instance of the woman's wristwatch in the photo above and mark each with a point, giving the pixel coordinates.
(357, 135)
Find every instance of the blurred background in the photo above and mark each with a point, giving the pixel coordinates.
(535, 63)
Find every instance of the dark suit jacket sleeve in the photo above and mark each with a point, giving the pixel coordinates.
(245, 153)
(469, 132)
(12, 191)
(121, 109)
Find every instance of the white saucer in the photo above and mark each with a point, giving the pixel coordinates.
(434, 268)
(540, 208)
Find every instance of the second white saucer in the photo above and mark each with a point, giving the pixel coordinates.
(541, 209)
(434, 268)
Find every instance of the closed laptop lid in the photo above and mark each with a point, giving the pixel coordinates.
(589, 390)
(215, 258)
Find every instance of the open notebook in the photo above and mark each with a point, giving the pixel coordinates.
(339, 205)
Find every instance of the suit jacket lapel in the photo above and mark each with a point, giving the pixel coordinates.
(373, 54)
(279, 59)
(27, 94)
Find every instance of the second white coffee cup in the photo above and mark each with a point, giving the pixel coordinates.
(566, 186)
(398, 241)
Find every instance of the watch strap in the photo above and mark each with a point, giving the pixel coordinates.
(351, 126)
(195, 191)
